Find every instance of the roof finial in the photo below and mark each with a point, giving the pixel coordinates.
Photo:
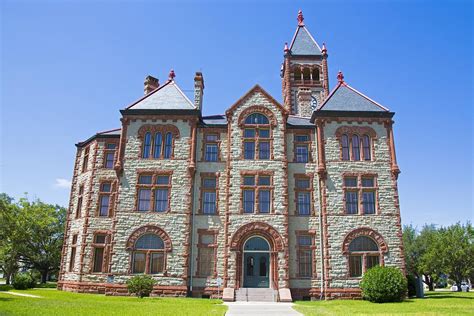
(324, 49)
(286, 49)
(340, 77)
(300, 18)
(171, 75)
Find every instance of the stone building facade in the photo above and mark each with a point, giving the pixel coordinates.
(299, 196)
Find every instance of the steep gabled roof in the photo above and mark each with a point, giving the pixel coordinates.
(256, 89)
(167, 97)
(346, 98)
(303, 44)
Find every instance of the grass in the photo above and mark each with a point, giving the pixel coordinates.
(54, 302)
(434, 303)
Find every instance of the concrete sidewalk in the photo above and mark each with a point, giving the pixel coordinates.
(260, 308)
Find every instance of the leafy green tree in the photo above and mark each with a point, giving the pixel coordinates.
(8, 251)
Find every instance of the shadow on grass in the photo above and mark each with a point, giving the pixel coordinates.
(5, 299)
(442, 295)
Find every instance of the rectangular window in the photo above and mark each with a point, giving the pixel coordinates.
(206, 255)
(211, 152)
(211, 147)
(139, 262)
(352, 203)
(264, 201)
(209, 195)
(144, 199)
(72, 260)
(264, 150)
(85, 162)
(109, 155)
(157, 260)
(355, 266)
(161, 200)
(79, 201)
(153, 192)
(304, 203)
(249, 201)
(303, 195)
(371, 261)
(104, 198)
(368, 202)
(305, 256)
(301, 153)
(249, 180)
(249, 150)
(360, 193)
(302, 144)
(98, 259)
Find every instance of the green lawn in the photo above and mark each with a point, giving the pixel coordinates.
(436, 303)
(54, 302)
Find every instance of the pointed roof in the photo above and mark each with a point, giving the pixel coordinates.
(167, 97)
(346, 98)
(303, 43)
(256, 89)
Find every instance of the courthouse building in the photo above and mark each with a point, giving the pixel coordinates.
(297, 197)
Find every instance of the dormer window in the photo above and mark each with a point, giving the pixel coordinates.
(158, 141)
(356, 142)
(256, 137)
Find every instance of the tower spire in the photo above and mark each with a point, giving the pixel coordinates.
(300, 18)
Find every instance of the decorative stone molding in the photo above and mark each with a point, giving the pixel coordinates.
(360, 130)
(364, 231)
(158, 128)
(149, 229)
(257, 109)
(259, 229)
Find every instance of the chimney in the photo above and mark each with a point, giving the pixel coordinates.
(151, 83)
(198, 90)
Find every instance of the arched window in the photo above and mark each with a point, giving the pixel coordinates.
(315, 74)
(148, 254)
(306, 74)
(147, 145)
(256, 243)
(366, 147)
(363, 255)
(168, 145)
(158, 142)
(345, 147)
(355, 148)
(256, 137)
(297, 74)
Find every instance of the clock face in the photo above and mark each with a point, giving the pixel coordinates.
(314, 102)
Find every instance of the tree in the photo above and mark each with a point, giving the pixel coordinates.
(8, 252)
(40, 243)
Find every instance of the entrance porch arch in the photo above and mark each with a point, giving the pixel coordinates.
(248, 232)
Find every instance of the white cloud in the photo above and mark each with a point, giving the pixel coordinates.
(62, 183)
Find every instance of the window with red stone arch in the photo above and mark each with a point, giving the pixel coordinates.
(257, 192)
(85, 159)
(209, 193)
(148, 247)
(72, 259)
(304, 198)
(306, 254)
(80, 197)
(360, 194)
(153, 191)
(157, 141)
(356, 143)
(207, 253)
(109, 154)
(302, 147)
(105, 202)
(100, 248)
(364, 248)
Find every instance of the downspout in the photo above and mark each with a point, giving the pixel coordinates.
(321, 295)
(192, 170)
(321, 176)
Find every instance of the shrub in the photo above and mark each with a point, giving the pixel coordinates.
(383, 284)
(23, 281)
(140, 285)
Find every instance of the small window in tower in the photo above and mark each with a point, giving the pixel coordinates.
(315, 74)
(297, 74)
(306, 74)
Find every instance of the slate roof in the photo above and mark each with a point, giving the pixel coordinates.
(214, 120)
(297, 121)
(167, 97)
(346, 98)
(113, 133)
(303, 44)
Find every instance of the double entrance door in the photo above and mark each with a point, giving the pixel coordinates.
(256, 269)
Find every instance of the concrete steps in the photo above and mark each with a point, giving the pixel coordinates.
(256, 295)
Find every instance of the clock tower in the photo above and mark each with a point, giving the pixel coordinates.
(304, 72)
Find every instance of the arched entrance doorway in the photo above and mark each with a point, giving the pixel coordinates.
(256, 263)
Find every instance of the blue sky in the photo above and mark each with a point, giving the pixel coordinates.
(67, 67)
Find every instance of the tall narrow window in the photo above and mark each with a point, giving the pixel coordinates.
(351, 195)
(99, 252)
(162, 193)
(256, 186)
(109, 155)
(148, 255)
(209, 195)
(144, 192)
(256, 142)
(355, 147)
(85, 161)
(211, 147)
(301, 149)
(206, 254)
(303, 195)
(305, 255)
(168, 146)
(147, 145)
(363, 255)
(79, 201)
(72, 260)
(366, 147)
(368, 195)
(158, 144)
(104, 198)
(315, 74)
(345, 147)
